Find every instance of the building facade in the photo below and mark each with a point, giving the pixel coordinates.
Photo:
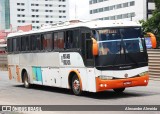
(33, 12)
(133, 10)
(4, 14)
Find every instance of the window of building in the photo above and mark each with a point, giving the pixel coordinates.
(33, 15)
(18, 9)
(18, 15)
(100, 9)
(90, 11)
(95, 11)
(125, 15)
(125, 4)
(132, 3)
(118, 6)
(119, 16)
(100, 1)
(51, 10)
(18, 3)
(22, 9)
(94, 1)
(106, 9)
(112, 18)
(37, 15)
(106, 18)
(22, 4)
(37, 21)
(112, 7)
(23, 21)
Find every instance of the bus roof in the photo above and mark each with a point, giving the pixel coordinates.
(89, 24)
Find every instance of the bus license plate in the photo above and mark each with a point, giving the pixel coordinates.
(127, 83)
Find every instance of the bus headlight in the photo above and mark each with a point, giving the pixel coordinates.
(103, 77)
(143, 73)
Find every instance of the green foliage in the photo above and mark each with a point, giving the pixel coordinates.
(153, 23)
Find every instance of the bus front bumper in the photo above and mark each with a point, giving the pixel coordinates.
(102, 85)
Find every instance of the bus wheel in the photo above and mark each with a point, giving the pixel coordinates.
(76, 85)
(119, 90)
(26, 80)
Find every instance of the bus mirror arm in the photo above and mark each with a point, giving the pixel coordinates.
(153, 39)
(94, 47)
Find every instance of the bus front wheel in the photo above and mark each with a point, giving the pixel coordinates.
(26, 80)
(76, 88)
(119, 90)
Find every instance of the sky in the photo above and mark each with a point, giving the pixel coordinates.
(82, 9)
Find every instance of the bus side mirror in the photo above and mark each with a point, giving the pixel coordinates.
(152, 39)
(94, 47)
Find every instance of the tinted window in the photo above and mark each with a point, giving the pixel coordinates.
(61, 40)
(55, 40)
(25, 43)
(47, 41)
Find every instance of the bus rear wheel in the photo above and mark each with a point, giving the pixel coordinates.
(119, 90)
(26, 80)
(76, 88)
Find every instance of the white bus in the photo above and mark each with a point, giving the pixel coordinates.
(88, 56)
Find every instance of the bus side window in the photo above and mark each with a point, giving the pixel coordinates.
(61, 40)
(39, 42)
(47, 41)
(69, 39)
(33, 42)
(55, 40)
(9, 45)
(24, 43)
(72, 39)
(14, 44)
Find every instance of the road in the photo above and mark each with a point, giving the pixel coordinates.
(13, 93)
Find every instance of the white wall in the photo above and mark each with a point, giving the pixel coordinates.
(42, 14)
(139, 8)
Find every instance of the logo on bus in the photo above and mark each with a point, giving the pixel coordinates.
(65, 59)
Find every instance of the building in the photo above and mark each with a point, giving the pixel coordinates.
(4, 14)
(35, 12)
(133, 10)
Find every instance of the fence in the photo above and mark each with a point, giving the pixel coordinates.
(154, 64)
(3, 62)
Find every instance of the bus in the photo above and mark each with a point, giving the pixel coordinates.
(91, 56)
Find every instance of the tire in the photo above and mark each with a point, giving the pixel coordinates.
(76, 88)
(119, 90)
(26, 80)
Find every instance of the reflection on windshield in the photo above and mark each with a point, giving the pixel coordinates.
(116, 41)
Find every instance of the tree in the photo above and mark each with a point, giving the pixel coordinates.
(153, 23)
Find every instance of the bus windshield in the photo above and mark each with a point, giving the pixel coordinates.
(119, 40)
